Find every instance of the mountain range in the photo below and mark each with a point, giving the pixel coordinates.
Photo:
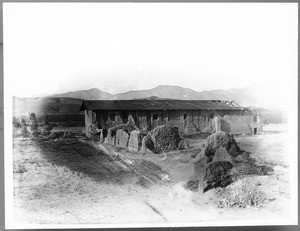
(69, 103)
(241, 95)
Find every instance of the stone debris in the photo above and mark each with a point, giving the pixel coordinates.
(222, 155)
(183, 144)
(221, 161)
(162, 138)
(217, 174)
(165, 138)
(192, 185)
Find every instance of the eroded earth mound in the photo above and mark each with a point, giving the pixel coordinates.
(165, 137)
(221, 161)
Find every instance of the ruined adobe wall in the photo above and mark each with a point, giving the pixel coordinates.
(90, 119)
(237, 124)
(191, 122)
(142, 119)
(187, 121)
(108, 119)
(240, 124)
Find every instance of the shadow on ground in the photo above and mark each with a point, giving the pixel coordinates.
(84, 158)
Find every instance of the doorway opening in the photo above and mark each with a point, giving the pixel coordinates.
(255, 131)
(125, 115)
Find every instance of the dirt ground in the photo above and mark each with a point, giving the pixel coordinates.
(73, 181)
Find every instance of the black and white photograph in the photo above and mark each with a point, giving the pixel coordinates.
(150, 114)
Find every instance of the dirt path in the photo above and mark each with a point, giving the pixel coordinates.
(71, 182)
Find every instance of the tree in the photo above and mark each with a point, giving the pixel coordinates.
(33, 124)
(24, 130)
(16, 122)
(46, 127)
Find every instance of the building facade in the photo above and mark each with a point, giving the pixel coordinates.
(189, 116)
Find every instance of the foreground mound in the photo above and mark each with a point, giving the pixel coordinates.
(164, 138)
(221, 161)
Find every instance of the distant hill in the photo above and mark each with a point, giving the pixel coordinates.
(242, 95)
(91, 94)
(69, 103)
(162, 91)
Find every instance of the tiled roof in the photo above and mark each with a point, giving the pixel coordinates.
(146, 104)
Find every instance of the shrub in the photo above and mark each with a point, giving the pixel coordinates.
(24, 130)
(46, 127)
(16, 122)
(33, 124)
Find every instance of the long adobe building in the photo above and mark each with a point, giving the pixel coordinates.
(189, 116)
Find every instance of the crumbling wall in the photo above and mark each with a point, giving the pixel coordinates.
(103, 135)
(122, 138)
(158, 122)
(105, 120)
(189, 122)
(239, 124)
(111, 137)
(143, 120)
(147, 144)
(90, 120)
(217, 121)
(134, 140)
(175, 119)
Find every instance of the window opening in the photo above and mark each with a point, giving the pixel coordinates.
(185, 116)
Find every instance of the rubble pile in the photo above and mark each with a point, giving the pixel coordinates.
(221, 161)
(165, 137)
(162, 138)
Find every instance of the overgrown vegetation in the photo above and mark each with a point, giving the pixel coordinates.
(33, 124)
(30, 127)
(24, 131)
(46, 127)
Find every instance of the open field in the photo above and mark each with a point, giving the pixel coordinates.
(70, 181)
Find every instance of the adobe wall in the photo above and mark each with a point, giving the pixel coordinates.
(187, 121)
(240, 124)
(191, 122)
(142, 120)
(90, 119)
(122, 138)
(134, 140)
(105, 121)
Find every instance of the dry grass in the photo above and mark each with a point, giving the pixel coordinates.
(68, 165)
(243, 193)
(70, 181)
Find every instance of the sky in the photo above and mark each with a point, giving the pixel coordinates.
(60, 47)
